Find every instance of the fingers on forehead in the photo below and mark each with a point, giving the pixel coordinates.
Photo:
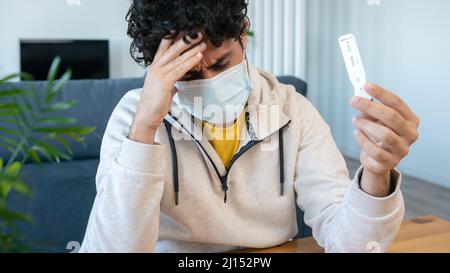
(165, 43)
(188, 38)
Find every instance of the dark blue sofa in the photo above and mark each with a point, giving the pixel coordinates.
(64, 193)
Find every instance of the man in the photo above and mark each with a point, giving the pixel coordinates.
(213, 154)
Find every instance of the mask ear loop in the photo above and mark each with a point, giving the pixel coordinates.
(246, 61)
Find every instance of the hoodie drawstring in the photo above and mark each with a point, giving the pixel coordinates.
(173, 150)
(222, 179)
(281, 151)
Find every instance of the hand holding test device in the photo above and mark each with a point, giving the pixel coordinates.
(354, 64)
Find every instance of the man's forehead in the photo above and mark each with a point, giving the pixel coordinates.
(210, 47)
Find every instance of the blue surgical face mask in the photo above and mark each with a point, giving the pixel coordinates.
(218, 100)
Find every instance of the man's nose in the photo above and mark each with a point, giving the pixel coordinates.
(204, 72)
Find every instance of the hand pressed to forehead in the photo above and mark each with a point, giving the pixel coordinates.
(215, 59)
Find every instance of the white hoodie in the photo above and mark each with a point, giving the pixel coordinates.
(135, 211)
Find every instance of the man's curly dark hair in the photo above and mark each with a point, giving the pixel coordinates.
(149, 21)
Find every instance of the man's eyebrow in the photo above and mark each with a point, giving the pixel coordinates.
(217, 63)
(220, 60)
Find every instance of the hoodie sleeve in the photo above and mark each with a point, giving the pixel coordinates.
(130, 182)
(343, 217)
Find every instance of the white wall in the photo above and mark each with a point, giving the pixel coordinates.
(405, 46)
(56, 19)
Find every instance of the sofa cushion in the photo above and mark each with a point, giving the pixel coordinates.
(63, 195)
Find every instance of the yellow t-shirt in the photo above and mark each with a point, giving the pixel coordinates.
(225, 140)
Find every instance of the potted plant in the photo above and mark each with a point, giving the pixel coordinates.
(29, 127)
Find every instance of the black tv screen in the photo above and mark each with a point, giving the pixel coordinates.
(88, 59)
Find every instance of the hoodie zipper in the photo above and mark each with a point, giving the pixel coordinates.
(224, 179)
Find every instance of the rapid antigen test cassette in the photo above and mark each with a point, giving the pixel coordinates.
(354, 64)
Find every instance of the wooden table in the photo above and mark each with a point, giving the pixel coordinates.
(428, 234)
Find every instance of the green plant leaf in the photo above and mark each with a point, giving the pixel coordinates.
(65, 144)
(9, 131)
(8, 113)
(12, 183)
(13, 169)
(21, 187)
(29, 107)
(9, 109)
(24, 111)
(8, 120)
(57, 120)
(22, 127)
(9, 106)
(24, 75)
(10, 216)
(9, 140)
(59, 106)
(8, 178)
(52, 151)
(8, 147)
(76, 137)
(53, 69)
(9, 77)
(11, 92)
(49, 94)
(33, 94)
(34, 156)
(5, 187)
(58, 86)
(42, 151)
